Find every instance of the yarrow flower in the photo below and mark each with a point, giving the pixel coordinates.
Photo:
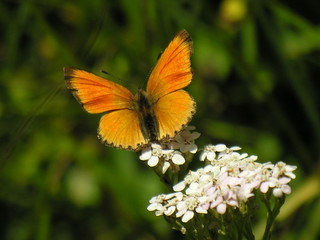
(224, 188)
(227, 182)
(171, 153)
(184, 141)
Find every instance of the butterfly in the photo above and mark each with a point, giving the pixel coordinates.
(133, 121)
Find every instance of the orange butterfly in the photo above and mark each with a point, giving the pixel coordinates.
(132, 121)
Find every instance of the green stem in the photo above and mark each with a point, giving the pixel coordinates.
(272, 214)
(248, 227)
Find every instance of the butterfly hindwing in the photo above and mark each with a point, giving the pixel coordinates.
(174, 111)
(121, 129)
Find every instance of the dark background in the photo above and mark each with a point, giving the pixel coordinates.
(256, 84)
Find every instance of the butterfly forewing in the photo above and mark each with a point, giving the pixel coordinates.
(95, 93)
(172, 71)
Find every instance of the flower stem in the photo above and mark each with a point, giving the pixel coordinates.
(272, 214)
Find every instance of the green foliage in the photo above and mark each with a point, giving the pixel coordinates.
(255, 64)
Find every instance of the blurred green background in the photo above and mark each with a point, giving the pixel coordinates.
(256, 82)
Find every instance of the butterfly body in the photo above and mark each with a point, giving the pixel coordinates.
(158, 113)
(143, 105)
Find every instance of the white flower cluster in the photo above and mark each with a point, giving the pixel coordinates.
(228, 180)
(171, 152)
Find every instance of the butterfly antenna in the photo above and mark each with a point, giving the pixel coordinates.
(149, 73)
(119, 80)
(159, 55)
(107, 73)
(114, 78)
(22, 127)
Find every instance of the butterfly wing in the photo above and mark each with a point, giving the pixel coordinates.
(173, 107)
(172, 71)
(95, 93)
(119, 127)
(173, 112)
